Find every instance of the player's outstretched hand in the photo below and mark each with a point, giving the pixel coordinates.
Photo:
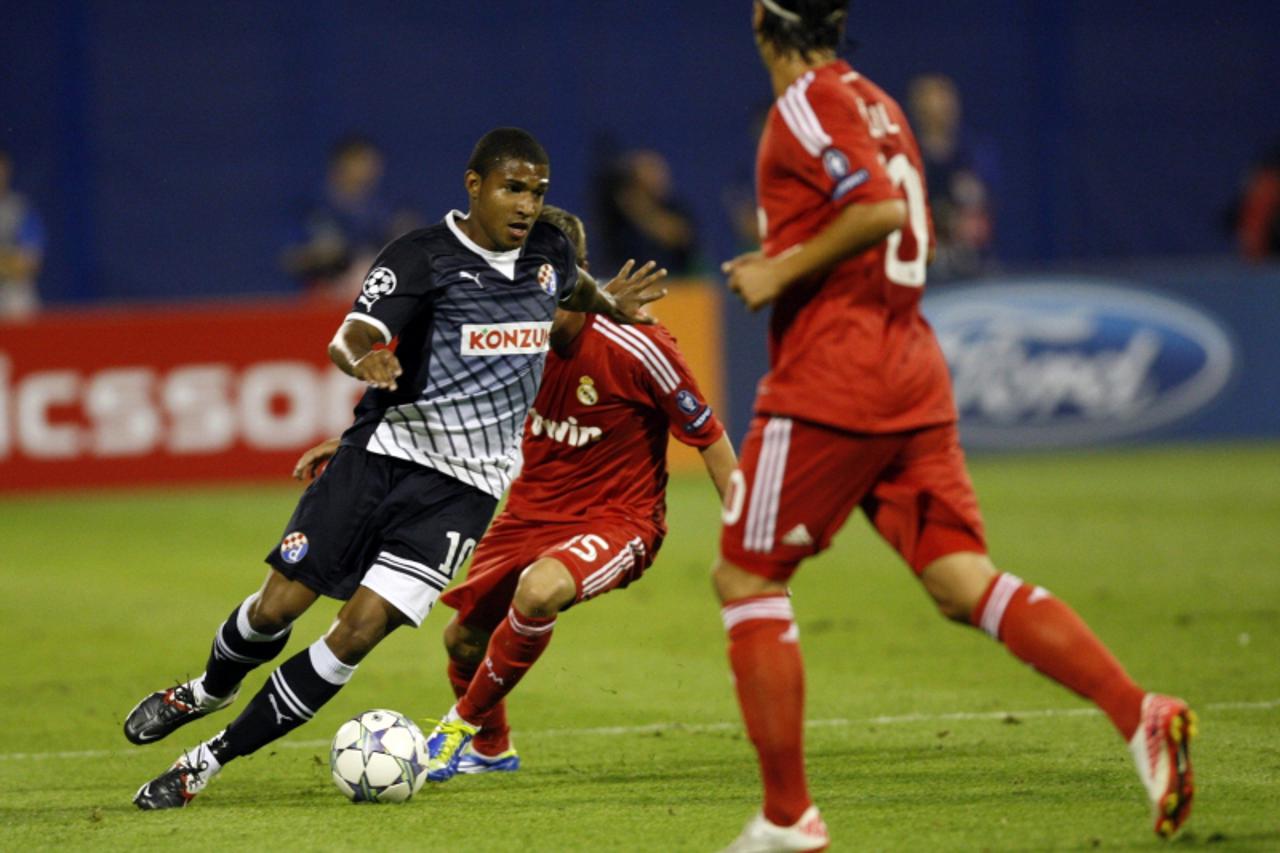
(380, 368)
(754, 278)
(632, 289)
(313, 461)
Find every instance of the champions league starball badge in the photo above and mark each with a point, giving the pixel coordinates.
(378, 283)
(294, 547)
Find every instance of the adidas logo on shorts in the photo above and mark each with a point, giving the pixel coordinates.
(798, 536)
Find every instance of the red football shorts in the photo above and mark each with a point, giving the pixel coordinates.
(601, 554)
(797, 482)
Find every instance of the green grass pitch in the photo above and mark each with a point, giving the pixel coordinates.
(922, 735)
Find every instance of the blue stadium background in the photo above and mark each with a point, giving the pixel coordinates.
(170, 143)
(171, 146)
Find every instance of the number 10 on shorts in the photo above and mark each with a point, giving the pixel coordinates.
(457, 555)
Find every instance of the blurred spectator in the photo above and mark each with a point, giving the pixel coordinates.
(1257, 220)
(958, 193)
(348, 224)
(21, 248)
(641, 219)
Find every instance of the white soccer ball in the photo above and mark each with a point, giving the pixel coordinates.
(379, 757)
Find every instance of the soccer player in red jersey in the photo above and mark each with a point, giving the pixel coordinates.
(856, 411)
(585, 516)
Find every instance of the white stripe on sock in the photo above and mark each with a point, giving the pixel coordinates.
(224, 651)
(525, 628)
(774, 607)
(993, 613)
(286, 694)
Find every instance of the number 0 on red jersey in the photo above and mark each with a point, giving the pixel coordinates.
(848, 349)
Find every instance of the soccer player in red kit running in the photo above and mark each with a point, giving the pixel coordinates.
(856, 411)
(585, 516)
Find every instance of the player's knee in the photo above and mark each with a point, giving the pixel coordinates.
(956, 583)
(269, 615)
(955, 610)
(544, 588)
(464, 643)
(732, 582)
(278, 603)
(721, 580)
(354, 635)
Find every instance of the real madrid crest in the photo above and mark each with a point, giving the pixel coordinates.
(587, 393)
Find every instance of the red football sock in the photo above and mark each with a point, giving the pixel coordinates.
(769, 673)
(1044, 632)
(514, 647)
(494, 737)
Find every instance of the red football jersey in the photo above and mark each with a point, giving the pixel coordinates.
(595, 443)
(850, 348)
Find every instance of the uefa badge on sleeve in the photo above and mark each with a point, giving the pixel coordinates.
(547, 279)
(378, 283)
(294, 547)
(835, 163)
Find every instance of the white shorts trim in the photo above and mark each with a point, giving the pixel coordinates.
(414, 598)
(766, 490)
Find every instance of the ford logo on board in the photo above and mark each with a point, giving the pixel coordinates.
(1067, 363)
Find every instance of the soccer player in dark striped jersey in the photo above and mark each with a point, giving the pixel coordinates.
(450, 331)
(586, 515)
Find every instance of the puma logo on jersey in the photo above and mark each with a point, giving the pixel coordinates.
(505, 338)
(568, 431)
(472, 276)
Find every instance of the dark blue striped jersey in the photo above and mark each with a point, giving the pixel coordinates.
(472, 328)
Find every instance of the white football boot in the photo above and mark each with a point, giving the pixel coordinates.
(762, 836)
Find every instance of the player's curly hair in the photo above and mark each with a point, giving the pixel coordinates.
(506, 143)
(571, 226)
(803, 26)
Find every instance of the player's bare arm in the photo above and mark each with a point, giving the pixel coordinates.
(623, 298)
(313, 460)
(759, 280)
(352, 349)
(720, 461)
(565, 328)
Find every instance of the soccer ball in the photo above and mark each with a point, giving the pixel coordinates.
(379, 757)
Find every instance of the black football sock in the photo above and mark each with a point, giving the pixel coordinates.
(292, 695)
(238, 649)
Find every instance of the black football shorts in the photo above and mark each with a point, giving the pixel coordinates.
(397, 527)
